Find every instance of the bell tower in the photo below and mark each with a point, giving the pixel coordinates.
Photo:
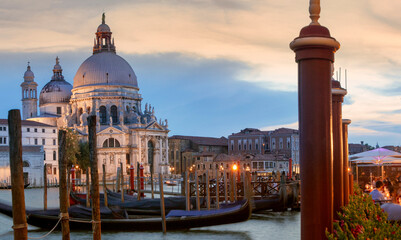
(29, 95)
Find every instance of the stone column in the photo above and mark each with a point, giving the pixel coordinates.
(338, 94)
(347, 190)
(314, 49)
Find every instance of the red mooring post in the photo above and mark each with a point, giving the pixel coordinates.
(131, 179)
(314, 49)
(347, 191)
(338, 94)
(73, 178)
(142, 180)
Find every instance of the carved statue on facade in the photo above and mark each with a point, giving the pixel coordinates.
(83, 119)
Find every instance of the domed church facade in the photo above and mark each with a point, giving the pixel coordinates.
(105, 85)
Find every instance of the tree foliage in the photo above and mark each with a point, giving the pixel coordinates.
(83, 159)
(72, 147)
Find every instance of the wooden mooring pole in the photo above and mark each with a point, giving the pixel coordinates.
(138, 182)
(225, 186)
(122, 181)
(187, 193)
(197, 190)
(217, 189)
(88, 202)
(207, 189)
(95, 178)
(162, 207)
(105, 186)
(17, 177)
(63, 191)
(44, 188)
(151, 181)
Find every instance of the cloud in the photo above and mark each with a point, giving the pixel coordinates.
(242, 40)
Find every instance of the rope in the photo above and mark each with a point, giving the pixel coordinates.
(19, 226)
(91, 221)
(47, 234)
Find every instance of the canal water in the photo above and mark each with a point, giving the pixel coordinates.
(272, 225)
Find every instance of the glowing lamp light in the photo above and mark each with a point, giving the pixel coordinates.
(76, 166)
(349, 169)
(235, 167)
(248, 169)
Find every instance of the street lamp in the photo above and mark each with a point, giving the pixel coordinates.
(235, 167)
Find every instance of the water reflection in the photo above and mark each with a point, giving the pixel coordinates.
(267, 225)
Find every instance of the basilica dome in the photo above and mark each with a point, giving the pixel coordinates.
(57, 90)
(105, 68)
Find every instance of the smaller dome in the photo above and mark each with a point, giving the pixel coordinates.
(55, 92)
(28, 75)
(103, 28)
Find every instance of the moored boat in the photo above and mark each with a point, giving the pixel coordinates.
(175, 220)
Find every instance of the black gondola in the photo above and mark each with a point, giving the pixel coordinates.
(9, 186)
(134, 206)
(175, 220)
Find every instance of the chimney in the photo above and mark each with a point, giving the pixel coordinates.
(361, 142)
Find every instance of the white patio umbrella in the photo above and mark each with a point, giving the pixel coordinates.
(378, 156)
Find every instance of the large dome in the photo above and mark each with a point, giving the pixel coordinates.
(105, 68)
(55, 91)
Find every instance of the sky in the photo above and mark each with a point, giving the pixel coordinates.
(214, 67)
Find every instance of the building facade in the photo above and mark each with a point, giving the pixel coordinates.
(105, 85)
(185, 150)
(267, 148)
(39, 142)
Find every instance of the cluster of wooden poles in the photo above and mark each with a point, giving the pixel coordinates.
(18, 198)
(17, 181)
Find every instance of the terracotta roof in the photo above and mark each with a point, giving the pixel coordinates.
(26, 123)
(250, 131)
(284, 131)
(24, 148)
(208, 141)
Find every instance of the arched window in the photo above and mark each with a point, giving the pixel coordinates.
(111, 142)
(88, 110)
(25, 164)
(127, 108)
(113, 113)
(102, 115)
